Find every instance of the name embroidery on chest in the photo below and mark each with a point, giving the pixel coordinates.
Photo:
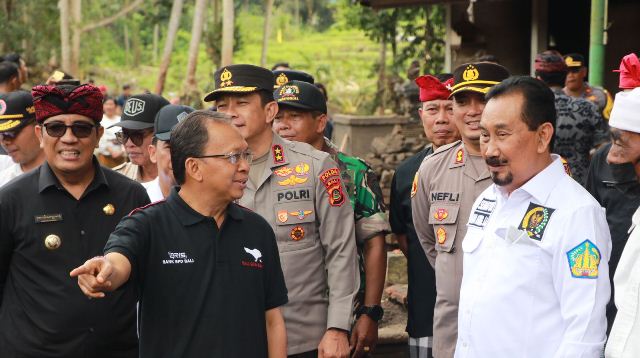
(177, 258)
(482, 213)
(535, 220)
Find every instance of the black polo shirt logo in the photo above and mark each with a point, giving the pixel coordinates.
(176, 258)
(253, 258)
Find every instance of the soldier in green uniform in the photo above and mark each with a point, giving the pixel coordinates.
(299, 191)
(302, 116)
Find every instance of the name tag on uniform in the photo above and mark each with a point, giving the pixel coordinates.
(48, 218)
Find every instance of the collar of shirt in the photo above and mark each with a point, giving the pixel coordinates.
(48, 178)
(538, 187)
(188, 216)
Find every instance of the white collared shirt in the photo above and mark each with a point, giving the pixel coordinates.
(536, 277)
(9, 173)
(624, 339)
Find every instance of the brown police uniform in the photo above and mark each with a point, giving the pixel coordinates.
(301, 195)
(447, 184)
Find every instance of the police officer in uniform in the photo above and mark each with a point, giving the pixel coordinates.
(52, 219)
(446, 186)
(299, 191)
(303, 118)
(577, 86)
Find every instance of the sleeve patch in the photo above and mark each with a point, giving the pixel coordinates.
(414, 186)
(535, 220)
(332, 182)
(584, 260)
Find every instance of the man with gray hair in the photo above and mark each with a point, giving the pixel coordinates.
(225, 282)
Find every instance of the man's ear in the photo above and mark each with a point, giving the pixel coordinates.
(39, 134)
(152, 153)
(321, 123)
(545, 134)
(271, 109)
(192, 169)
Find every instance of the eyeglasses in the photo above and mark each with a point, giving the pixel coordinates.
(233, 158)
(59, 129)
(137, 137)
(10, 135)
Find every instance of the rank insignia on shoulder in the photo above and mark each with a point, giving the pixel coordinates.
(297, 233)
(283, 216)
(278, 154)
(535, 220)
(414, 185)
(459, 156)
(584, 260)
(441, 235)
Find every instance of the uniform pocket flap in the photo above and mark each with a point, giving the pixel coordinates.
(440, 213)
(294, 213)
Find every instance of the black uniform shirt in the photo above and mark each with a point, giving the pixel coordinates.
(204, 291)
(421, 295)
(43, 313)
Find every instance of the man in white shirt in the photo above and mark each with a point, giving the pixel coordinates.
(535, 280)
(159, 150)
(17, 134)
(624, 160)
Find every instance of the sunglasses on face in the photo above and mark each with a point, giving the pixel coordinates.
(137, 137)
(59, 129)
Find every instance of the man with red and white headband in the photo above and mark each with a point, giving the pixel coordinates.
(51, 219)
(436, 113)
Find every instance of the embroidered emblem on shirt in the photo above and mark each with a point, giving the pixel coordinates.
(109, 209)
(293, 195)
(459, 156)
(283, 216)
(584, 260)
(414, 185)
(441, 235)
(565, 164)
(283, 171)
(331, 180)
(257, 258)
(52, 242)
(292, 181)
(482, 213)
(441, 214)
(302, 169)
(300, 214)
(278, 154)
(535, 221)
(176, 258)
(297, 233)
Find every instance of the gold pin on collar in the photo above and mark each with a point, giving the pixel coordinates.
(109, 209)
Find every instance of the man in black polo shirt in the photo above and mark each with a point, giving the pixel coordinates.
(208, 270)
(436, 115)
(51, 220)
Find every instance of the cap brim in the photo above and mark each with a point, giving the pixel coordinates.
(163, 136)
(132, 125)
(213, 95)
(476, 89)
(10, 124)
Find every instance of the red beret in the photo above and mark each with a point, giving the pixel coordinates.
(51, 100)
(431, 88)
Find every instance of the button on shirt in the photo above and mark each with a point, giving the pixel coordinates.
(535, 278)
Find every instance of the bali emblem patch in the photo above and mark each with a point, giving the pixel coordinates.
(584, 260)
(535, 220)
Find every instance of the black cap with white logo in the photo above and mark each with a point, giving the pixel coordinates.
(167, 118)
(139, 111)
(300, 95)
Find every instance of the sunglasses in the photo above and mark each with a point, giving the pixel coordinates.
(59, 129)
(137, 137)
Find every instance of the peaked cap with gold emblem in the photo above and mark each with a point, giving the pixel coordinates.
(284, 76)
(240, 79)
(16, 110)
(477, 77)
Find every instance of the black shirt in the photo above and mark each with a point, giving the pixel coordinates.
(421, 295)
(619, 209)
(204, 290)
(43, 312)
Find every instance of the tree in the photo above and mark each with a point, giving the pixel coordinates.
(191, 86)
(268, 6)
(227, 32)
(65, 44)
(174, 23)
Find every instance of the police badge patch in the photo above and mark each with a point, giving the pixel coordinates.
(535, 220)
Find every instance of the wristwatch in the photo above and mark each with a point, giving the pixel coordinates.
(374, 312)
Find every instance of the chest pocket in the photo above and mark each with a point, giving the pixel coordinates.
(444, 218)
(295, 225)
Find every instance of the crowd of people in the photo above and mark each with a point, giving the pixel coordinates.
(132, 226)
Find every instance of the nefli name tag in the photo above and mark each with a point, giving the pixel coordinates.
(48, 218)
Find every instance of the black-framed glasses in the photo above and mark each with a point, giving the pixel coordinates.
(136, 136)
(233, 158)
(12, 134)
(79, 129)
